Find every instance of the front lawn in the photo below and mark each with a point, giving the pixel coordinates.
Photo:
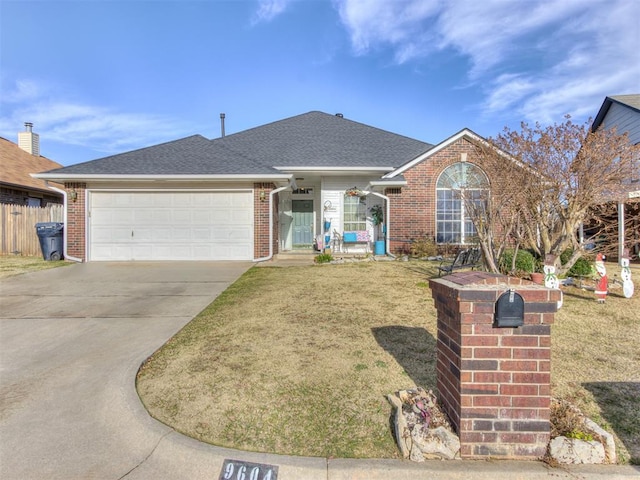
(16, 264)
(298, 360)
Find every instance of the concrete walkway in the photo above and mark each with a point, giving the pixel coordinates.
(71, 341)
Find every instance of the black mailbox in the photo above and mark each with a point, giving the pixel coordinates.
(509, 310)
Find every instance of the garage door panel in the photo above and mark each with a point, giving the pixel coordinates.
(111, 235)
(203, 217)
(171, 226)
(232, 217)
(103, 216)
(222, 202)
(142, 252)
(243, 217)
(228, 234)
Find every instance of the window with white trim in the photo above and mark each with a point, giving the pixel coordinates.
(355, 214)
(459, 186)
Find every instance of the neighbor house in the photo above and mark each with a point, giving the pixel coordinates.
(18, 161)
(622, 112)
(280, 187)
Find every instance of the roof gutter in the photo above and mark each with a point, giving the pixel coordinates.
(387, 215)
(271, 200)
(64, 230)
(153, 178)
(320, 168)
(388, 183)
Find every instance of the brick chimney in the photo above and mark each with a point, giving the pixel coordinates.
(29, 141)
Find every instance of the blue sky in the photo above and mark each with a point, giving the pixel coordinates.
(102, 77)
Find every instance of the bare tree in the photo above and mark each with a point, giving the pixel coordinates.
(601, 227)
(545, 183)
(497, 213)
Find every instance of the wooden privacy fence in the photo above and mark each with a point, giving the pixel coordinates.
(19, 235)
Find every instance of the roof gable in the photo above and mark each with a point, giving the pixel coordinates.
(465, 133)
(17, 165)
(631, 102)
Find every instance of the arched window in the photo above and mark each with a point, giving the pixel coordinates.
(460, 186)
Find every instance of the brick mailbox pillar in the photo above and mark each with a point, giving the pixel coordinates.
(494, 382)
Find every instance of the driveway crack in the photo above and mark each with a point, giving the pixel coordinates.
(148, 456)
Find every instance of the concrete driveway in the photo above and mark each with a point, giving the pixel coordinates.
(71, 341)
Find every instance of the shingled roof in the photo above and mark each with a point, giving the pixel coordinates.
(17, 165)
(194, 155)
(313, 139)
(317, 139)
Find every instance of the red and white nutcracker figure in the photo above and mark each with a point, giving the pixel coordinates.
(602, 283)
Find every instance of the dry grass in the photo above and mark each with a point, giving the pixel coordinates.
(596, 361)
(15, 265)
(297, 360)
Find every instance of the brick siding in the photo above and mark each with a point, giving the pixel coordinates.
(261, 220)
(413, 207)
(494, 383)
(76, 224)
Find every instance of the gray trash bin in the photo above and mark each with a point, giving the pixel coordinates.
(51, 240)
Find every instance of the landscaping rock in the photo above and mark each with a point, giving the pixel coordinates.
(433, 443)
(606, 439)
(574, 451)
(593, 445)
(422, 430)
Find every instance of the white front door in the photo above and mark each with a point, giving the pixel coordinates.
(171, 225)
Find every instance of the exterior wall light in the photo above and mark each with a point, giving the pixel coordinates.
(73, 195)
(263, 195)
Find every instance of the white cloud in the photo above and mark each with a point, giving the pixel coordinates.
(540, 60)
(21, 91)
(70, 122)
(401, 24)
(269, 9)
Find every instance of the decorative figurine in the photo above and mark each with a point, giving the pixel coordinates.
(625, 275)
(550, 278)
(602, 283)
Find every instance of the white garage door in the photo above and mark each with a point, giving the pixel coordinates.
(171, 226)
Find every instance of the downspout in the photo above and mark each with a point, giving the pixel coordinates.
(271, 199)
(387, 213)
(64, 219)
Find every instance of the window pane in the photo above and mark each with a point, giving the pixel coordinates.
(458, 185)
(355, 214)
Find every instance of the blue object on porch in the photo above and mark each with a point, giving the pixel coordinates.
(327, 239)
(379, 249)
(350, 237)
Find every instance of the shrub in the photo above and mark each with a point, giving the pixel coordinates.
(582, 268)
(323, 258)
(424, 247)
(525, 262)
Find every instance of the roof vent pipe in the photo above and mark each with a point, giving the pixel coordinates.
(222, 124)
(339, 115)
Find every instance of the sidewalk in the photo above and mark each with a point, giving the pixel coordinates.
(179, 457)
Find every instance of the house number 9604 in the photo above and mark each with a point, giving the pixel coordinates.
(238, 470)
